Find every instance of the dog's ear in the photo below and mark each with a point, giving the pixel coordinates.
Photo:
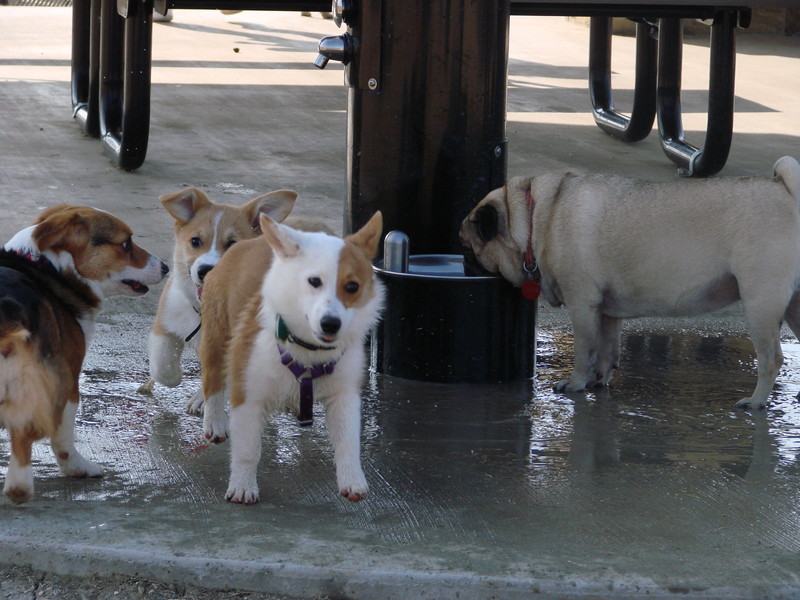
(184, 205)
(486, 222)
(48, 212)
(277, 205)
(368, 237)
(278, 237)
(59, 228)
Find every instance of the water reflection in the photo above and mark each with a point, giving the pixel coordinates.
(669, 413)
(670, 403)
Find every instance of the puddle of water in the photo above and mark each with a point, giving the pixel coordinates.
(470, 461)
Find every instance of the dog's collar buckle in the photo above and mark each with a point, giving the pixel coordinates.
(530, 267)
(305, 376)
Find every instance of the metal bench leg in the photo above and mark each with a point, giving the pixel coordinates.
(85, 63)
(125, 63)
(643, 114)
(710, 159)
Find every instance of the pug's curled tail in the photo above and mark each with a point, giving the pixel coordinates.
(787, 170)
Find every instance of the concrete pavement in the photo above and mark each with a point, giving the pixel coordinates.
(655, 489)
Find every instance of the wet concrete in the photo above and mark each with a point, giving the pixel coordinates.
(657, 487)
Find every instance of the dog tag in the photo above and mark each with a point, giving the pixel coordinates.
(531, 290)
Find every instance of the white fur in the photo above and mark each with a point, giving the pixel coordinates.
(22, 241)
(180, 317)
(24, 389)
(270, 387)
(70, 461)
(19, 480)
(210, 258)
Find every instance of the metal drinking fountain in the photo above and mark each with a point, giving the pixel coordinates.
(425, 143)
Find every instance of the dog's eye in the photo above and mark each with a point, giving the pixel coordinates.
(196, 242)
(229, 244)
(486, 223)
(127, 246)
(315, 281)
(351, 287)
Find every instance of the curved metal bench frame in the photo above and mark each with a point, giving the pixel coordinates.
(659, 52)
(112, 53)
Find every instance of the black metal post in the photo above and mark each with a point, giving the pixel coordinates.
(643, 113)
(710, 159)
(125, 61)
(86, 64)
(426, 114)
(426, 142)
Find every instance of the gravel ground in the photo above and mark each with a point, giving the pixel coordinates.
(21, 583)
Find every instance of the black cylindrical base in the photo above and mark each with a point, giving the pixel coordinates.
(442, 326)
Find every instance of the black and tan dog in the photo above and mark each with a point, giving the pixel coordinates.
(54, 277)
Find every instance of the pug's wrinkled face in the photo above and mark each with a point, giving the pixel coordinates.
(488, 234)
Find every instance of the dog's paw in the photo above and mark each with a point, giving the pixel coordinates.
(147, 387)
(568, 387)
(215, 419)
(242, 492)
(215, 423)
(74, 465)
(18, 486)
(167, 377)
(215, 432)
(195, 404)
(352, 483)
(751, 404)
(18, 494)
(354, 493)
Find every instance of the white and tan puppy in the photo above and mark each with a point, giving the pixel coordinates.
(204, 231)
(610, 248)
(298, 339)
(54, 277)
(228, 291)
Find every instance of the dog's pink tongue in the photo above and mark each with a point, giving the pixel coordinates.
(199, 292)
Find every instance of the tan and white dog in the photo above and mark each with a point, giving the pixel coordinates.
(204, 231)
(291, 311)
(54, 277)
(610, 248)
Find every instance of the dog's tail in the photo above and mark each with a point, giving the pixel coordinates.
(13, 327)
(788, 171)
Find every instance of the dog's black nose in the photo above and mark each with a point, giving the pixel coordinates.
(164, 269)
(203, 270)
(330, 324)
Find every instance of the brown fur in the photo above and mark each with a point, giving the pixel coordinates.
(231, 295)
(353, 267)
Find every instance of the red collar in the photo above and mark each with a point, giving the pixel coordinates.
(530, 288)
(529, 264)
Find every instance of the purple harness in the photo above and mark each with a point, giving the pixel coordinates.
(306, 376)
